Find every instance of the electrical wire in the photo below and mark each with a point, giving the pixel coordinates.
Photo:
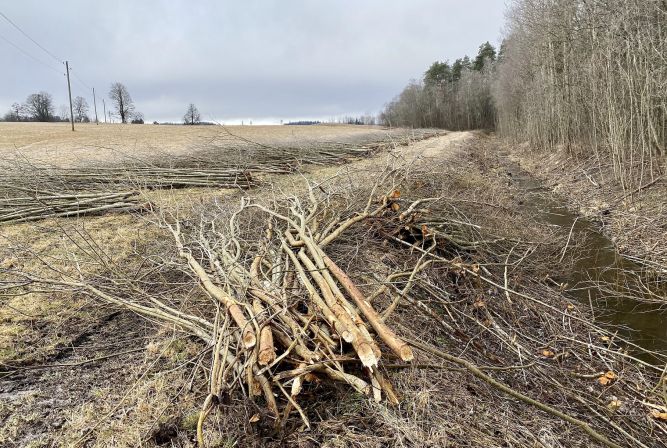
(31, 39)
(30, 55)
(78, 79)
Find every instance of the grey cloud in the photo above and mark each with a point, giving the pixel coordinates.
(299, 58)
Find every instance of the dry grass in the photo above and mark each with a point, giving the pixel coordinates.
(149, 397)
(55, 143)
(636, 221)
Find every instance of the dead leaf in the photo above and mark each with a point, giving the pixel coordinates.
(548, 353)
(607, 378)
(570, 306)
(614, 405)
(254, 418)
(395, 207)
(604, 338)
(311, 378)
(395, 194)
(659, 415)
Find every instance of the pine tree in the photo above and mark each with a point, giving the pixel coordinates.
(486, 53)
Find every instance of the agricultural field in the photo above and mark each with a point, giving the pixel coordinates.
(55, 143)
(301, 286)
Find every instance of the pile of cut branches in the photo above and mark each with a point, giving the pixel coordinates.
(43, 204)
(233, 150)
(281, 306)
(111, 179)
(30, 191)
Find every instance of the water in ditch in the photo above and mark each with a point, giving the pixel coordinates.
(617, 287)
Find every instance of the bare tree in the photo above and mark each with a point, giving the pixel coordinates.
(63, 112)
(192, 115)
(39, 106)
(137, 118)
(122, 101)
(80, 109)
(16, 113)
(590, 77)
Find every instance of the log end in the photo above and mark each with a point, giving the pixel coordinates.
(266, 357)
(347, 336)
(367, 356)
(249, 339)
(406, 353)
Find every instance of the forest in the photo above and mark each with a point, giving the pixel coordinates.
(587, 76)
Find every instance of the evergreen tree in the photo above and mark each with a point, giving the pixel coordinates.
(437, 73)
(459, 66)
(486, 53)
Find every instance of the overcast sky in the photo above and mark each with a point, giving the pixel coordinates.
(261, 60)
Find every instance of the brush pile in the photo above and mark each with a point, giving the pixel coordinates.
(387, 283)
(30, 192)
(51, 205)
(278, 290)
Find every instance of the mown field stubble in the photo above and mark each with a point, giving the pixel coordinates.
(365, 287)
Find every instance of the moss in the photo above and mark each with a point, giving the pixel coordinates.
(189, 422)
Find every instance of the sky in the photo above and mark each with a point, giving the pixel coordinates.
(264, 61)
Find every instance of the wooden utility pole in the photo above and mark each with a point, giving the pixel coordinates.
(104, 105)
(95, 106)
(69, 89)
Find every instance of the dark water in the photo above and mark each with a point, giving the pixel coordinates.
(602, 276)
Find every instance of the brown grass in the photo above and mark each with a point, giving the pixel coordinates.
(150, 396)
(55, 143)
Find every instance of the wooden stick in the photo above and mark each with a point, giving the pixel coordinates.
(399, 347)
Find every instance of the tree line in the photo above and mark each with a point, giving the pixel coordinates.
(40, 107)
(589, 76)
(455, 96)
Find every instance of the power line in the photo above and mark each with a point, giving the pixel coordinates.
(33, 40)
(29, 55)
(73, 72)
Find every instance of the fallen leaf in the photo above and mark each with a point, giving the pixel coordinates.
(254, 418)
(607, 378)
(659, 415)
(614, 405)
(548, 353)
(570, 306)
(604, 338)
(395, 207)
(395, 194)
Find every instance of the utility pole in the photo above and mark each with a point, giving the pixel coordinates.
(104, 105)
(69, 89)
(95, 105)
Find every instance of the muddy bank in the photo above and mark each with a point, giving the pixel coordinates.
(589, 268)
(635, 219)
